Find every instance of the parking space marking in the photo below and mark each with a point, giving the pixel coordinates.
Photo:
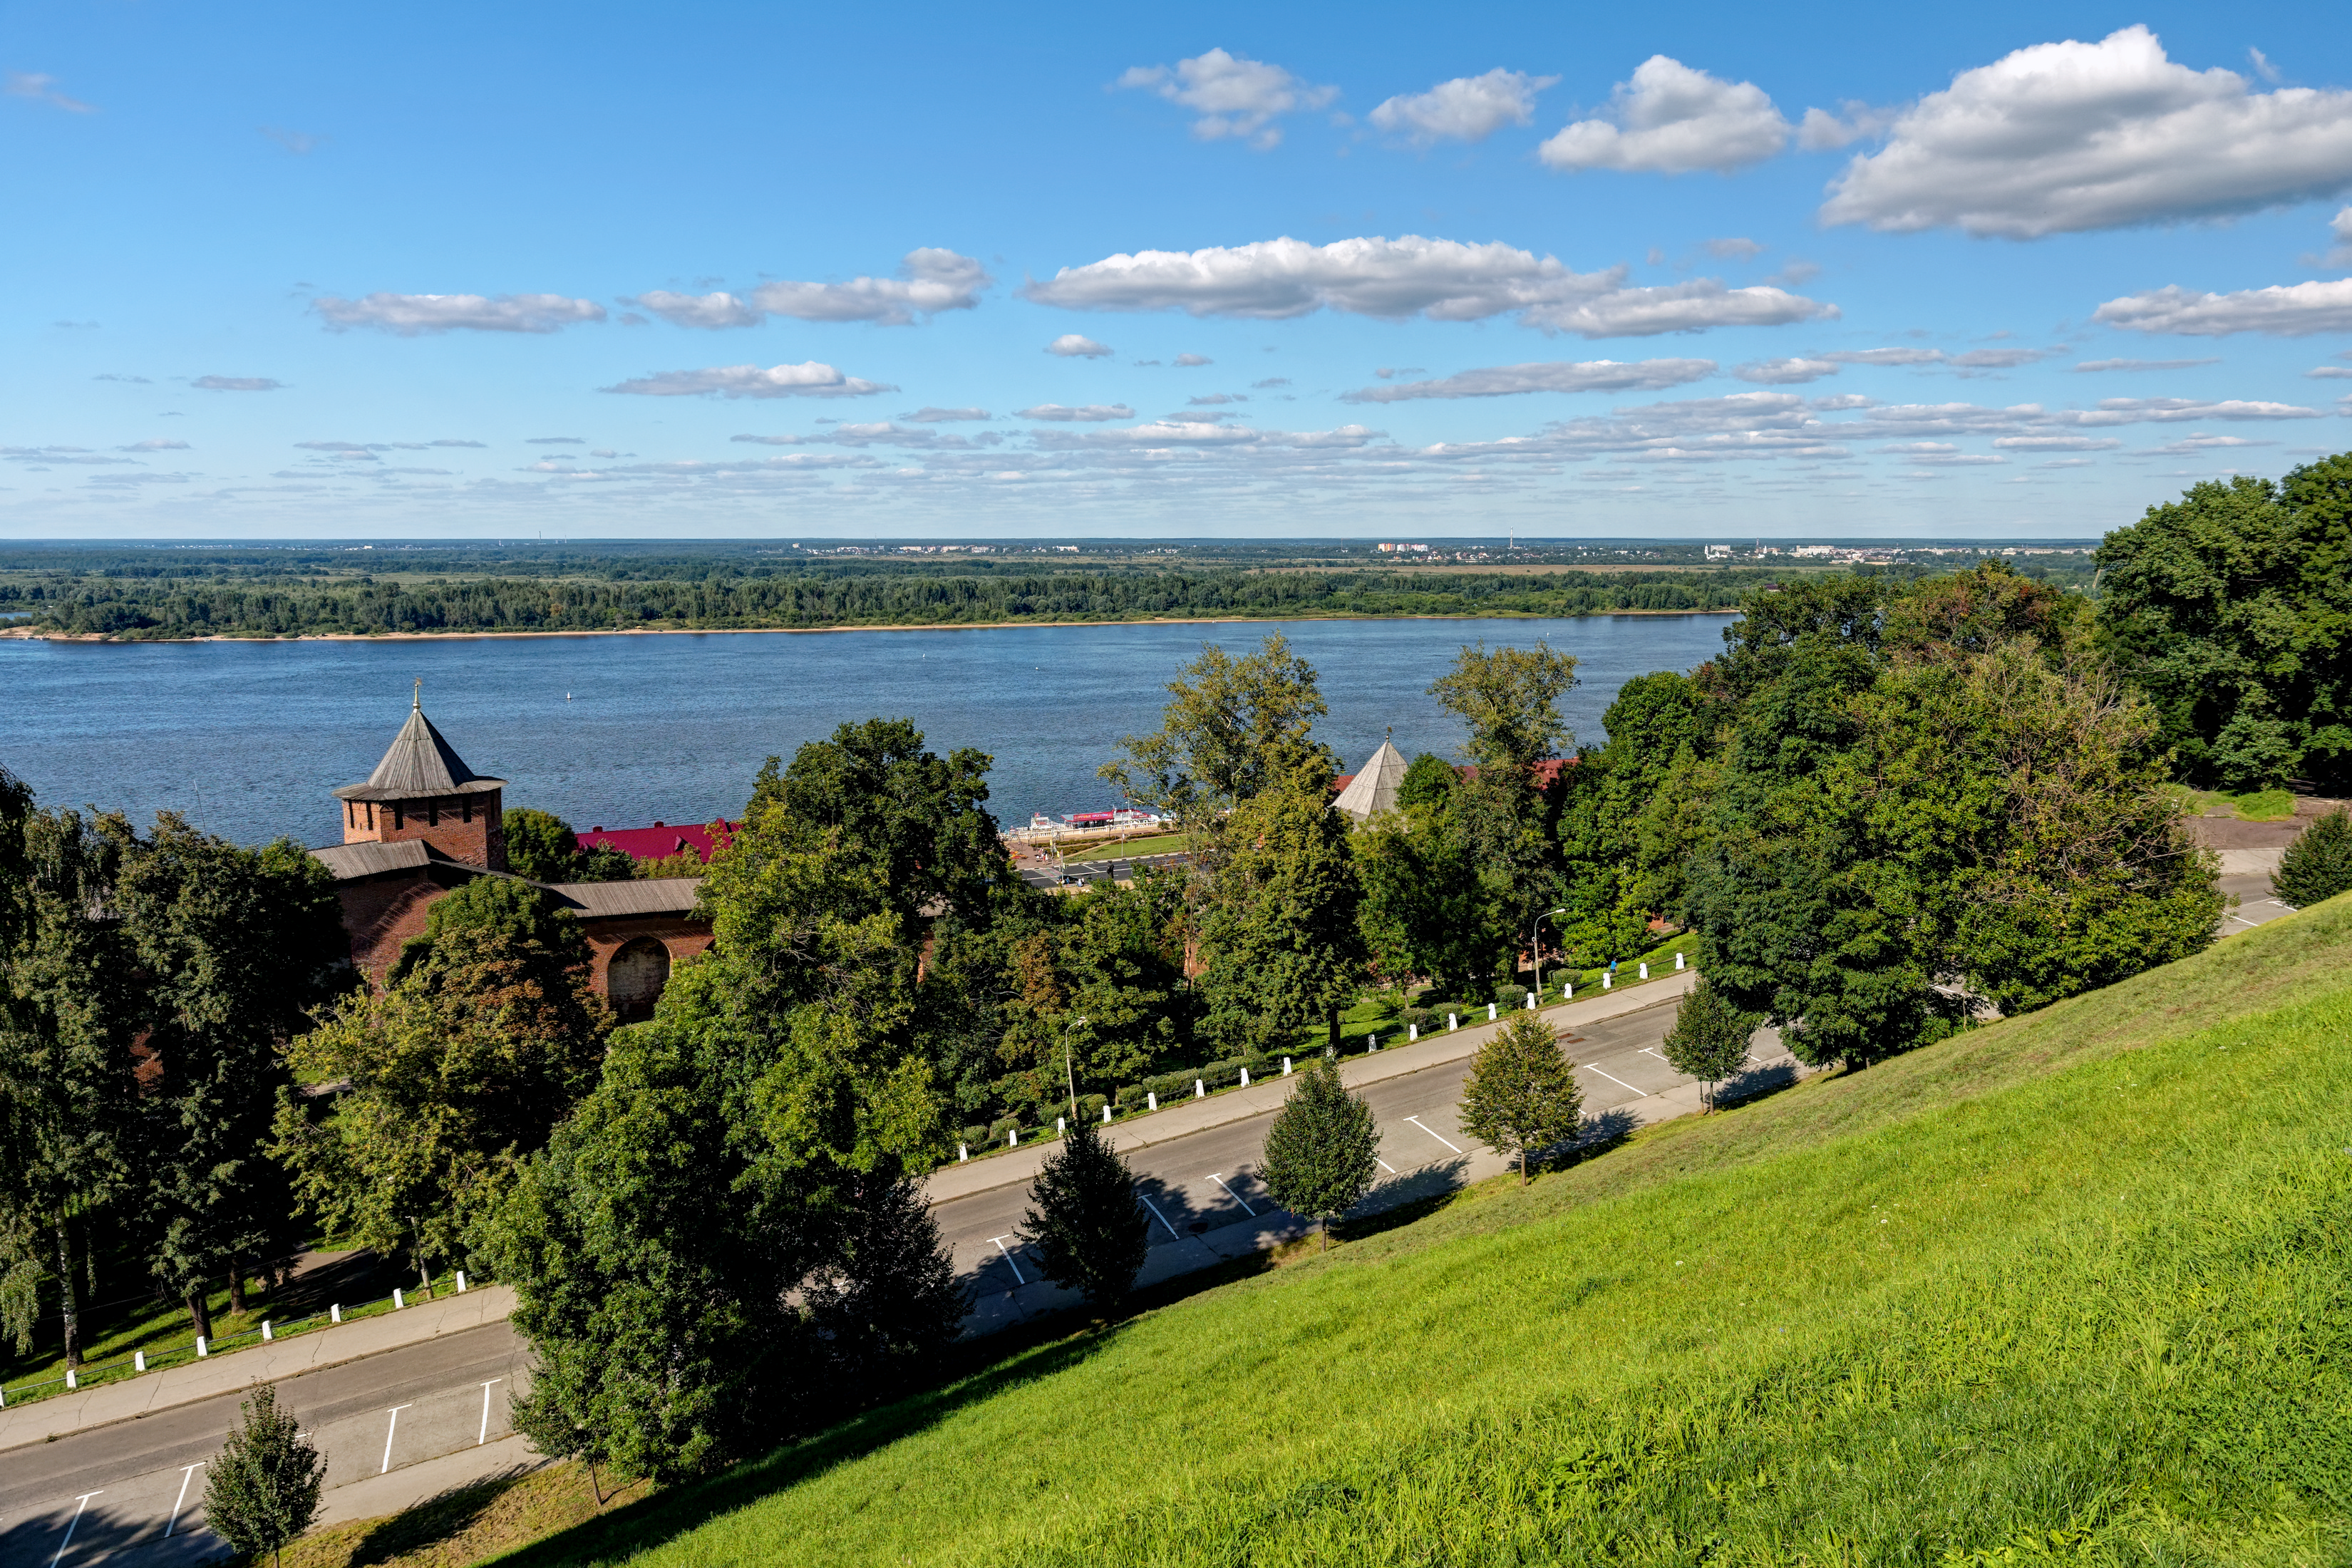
(1620, 1082)
(388, 1431)
(1017, 1277)
(173, 1522)
(79, 1504)
(1160, 1217)
(486, 1411)
(1385, 1165)
(1236, 1196)
(1441, 1137)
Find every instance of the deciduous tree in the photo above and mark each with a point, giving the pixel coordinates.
(263, 1490)
(1521, 1094)
(542, 847)
(1090, 1234)
(1321, 1150)
(1710, 1040)
(1279, 939)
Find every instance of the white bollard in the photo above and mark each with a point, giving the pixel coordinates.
(70, 1383)
(139, 1361)
(1244, 1077)
(1567, 989)
(1105, 1116)
(461, 1282)
(202, 1348)
(335, 1312)
(1286, 1067)
(398, 1300)
(1678, 961)
(1452, 1022)
(1531, 1001)
(266, 1335)
(963, 1152)
(1061, 1124)
(1012, 1139)
(1200, 1089)
(1412, 1032)
(1490, 1012)
(1604, 980)
(1151, 1100)
(1645, 971)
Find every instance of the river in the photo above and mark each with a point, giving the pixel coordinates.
(247, 738)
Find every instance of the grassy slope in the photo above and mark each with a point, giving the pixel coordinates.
(2084, 1272)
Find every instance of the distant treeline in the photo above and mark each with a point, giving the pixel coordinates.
(800, 598)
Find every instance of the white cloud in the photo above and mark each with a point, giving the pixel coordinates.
(1234, 95)
(808, 380)
(2286, 310)
(2341, 256)
(410, 315)
(1092, 414)
(1821, 131)
(2190, 445)
(1200, 432)
(1734, 250)
(42, 88)
(2175, 410)
(1784, 372)
(2330, 373)
(1672, 119)
(712, 311)
(2097, 365)
(2065, 137)
(155, 444)
(1218, 399)
(1187, 361)
(1443, 280)
(890, 435)
(929, 416)
(81, 457)
(236, 383)
(1508, 379)
(1884, 356)
(1466, 109)
(2057, 443)
(1077, 345)
(930, 280)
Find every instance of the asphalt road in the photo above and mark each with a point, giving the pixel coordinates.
(1083, 872)
(128, 1486)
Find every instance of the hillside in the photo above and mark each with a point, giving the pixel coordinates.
(2073, 1288)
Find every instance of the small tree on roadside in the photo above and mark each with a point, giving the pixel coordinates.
(1087, 1230)
(2318, 865)
(1521, 1093)
(1710, 1040)
(1320, 1150)
(263, 1491)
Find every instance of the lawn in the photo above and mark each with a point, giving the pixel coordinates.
(2258, 805)
(2070, 1287)
(1131, 849)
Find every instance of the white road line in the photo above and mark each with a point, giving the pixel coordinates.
(173, 1522)
(1157, 1215)
(1018, 1279)
(388, 1431)
(486, 1411)
(1620, 1082)
(82, 1504)
(1236, 1196)
(1441, 1137)
(1385, 1165)
(2244, 921)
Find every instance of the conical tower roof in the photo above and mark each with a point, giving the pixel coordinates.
(419, 765)
(1374, 788)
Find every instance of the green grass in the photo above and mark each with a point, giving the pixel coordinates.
(2259, 805)
(1158, 843)
(2072, 1287)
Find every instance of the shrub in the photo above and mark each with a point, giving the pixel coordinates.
(1090, 1106)
(1131, 1095)
(2317, 865)
(1510, 993)
(998, 1129)
(1420, 1017)
(972, 1137)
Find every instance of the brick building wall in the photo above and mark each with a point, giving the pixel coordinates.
(467, 826)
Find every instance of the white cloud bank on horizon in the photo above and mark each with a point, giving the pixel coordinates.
(930, 280)
(807, 380)
(414, 315)
(2065, 137)
(1395, 279)
(1234, 95)
(1466, 109)
(1673, 120)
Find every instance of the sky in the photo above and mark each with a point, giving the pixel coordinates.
(1242, 272)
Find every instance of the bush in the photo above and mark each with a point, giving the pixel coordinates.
(974, 1137)
(2317, 865)
(1090, 1106)
(1510, 993)
(1420, 1017)
(1003, 1125)
(1131, 1095)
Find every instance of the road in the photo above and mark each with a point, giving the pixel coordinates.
(1083, 873)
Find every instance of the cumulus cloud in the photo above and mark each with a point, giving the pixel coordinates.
(1186, 362)
(1091, 414)
(236, 383)
(1077, 345)
(1822, 132)
(929, 416)
(1466, 109)
(2285, 310)
(2097, 365)
(1784, 372)
(2330, 373)
(2190, 445)
(1734, 250)
(1218, 399)
(42, 88)
(930, 279)
(1234, 95)
(412, 315)
(2057, 443)
(1508, 379)
(2178, 410)
(1199, 433)
(1269, 380)
(807, 380)
(707, 310)
(2059, 138)
(1672, 119)
(1443, 280)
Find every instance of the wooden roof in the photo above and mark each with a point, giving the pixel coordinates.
(420, 765)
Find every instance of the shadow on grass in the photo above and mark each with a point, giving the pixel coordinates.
(434, 1520)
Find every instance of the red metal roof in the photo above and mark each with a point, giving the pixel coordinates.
(660, 841)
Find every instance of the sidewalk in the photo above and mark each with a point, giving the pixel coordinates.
(234, 1370)
(1018, 1166)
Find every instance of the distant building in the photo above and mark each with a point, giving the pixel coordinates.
(661, 841)
(424, 823)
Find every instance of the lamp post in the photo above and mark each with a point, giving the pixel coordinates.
(1534, 946)
(1068, 1077)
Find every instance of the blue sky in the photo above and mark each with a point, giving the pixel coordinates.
(1365, 270)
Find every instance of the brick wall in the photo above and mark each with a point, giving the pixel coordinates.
(381, 913)
(468, 827)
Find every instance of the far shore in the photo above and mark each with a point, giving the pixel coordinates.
(28, 633)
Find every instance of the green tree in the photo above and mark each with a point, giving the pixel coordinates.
(486, 1038)
(1230, 730)
(1090, 1232)
(542, 847)
(263, 1490)
(233, 947)
(1521, 1094)
(2231, 608)
(1621, 830)
(1710, 1040)
(1321, 1150)
(2318, 865)
(1279, 940)
(1508, 702)
(1425, 911)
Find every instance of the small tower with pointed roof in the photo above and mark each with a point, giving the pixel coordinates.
(424, 790)
(1374, 788)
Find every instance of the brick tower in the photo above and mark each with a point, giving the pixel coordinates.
(423, 789)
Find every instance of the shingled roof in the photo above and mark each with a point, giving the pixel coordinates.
(419, 766)
(1373, 788)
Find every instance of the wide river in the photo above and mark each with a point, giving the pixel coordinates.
(248, 738)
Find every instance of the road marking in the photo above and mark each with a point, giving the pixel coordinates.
(1017, 1277)
(1236, 1196)
(1620, 1082)
(1385, 1165)
(173, 1522)
(1157, 1215)
(80, 1504)
(1439, 1136)
(388, 1431)
(486, 1413)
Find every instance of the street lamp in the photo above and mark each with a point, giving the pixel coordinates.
(1535, 945)
(1069, 1077)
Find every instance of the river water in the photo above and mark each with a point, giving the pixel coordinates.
(247, 738)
